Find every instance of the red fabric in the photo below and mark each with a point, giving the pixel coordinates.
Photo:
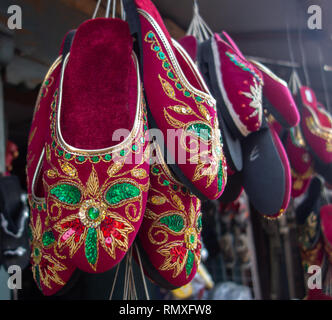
(301, 163)
(93, 176)
(316, 126)
(189, 43)
(280, 98)
(99, 81)
(317, 294)
(287, 171)
(163, 95)
(238, 80)
(168, 250)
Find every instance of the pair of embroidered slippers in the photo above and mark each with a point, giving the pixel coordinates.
(308, 145)
(256, 157)
(92, 190)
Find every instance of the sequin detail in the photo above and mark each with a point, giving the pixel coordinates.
(173, 222)
(120, 192)
(67, 193)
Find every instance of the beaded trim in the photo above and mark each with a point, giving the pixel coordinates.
(174, 62)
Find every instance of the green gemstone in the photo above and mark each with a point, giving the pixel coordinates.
(145, 127)
(150, 35)
(120, 192)
(192, 238)
(68, 156)
(108, 157)
(166, 65)
(201, 130)
(161, 55)
(134, 147)
(34, 206)
(91, 246)
(53, 144)
(179, 86)
(47, 82)
(171, 75)
(39, 207)
(44, 206)
(60, 152)
(156, 48)
(175, 187)
(67, 193)
(93, 213)
(199, 99)
(174, 222)
(199, 223)
(190, 262)
(166, 183)
(123, 153)
(187, 93)
(220, 176)
(95, 159)
(80, 159)
(183, 189)
(48, 238)
(155, 170)
(36, 252)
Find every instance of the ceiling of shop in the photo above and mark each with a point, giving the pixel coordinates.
(258, 27)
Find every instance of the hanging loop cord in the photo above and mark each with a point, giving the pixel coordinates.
(304, 60)
(198, 27)
(294, 83)
(110, 3)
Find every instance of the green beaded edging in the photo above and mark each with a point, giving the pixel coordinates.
(171, 74)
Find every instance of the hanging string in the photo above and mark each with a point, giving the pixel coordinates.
(198, 27)
(304, 60)
(142, 273)
(115, 280)
(321, 62)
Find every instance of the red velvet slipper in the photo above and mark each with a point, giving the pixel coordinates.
(51, 270)
(300, 161)
(169, 239)
(239, 84)
(287, 173)
(180, 105)
(281, 102)
(92, 178)
(316, 125)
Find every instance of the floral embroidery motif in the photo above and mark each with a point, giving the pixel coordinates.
(255, 95)
(201, 128)
(320, 132)
(179, 222)
(45, 267)
(95, 223)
